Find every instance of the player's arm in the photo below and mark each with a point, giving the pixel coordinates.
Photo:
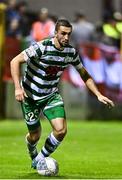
(91, 85)
(15, 72)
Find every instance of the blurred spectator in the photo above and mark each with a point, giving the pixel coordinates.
(82, 30)
(98, 33)
(44, 27)
(12, 18)
(112, 73)
(112, 66)
(118, 16)
(13, 29)
(11, 12)
(111, 29)
(100, 37)
(26, 18)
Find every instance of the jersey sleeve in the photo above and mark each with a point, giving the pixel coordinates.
(34, 51)
(77, 61)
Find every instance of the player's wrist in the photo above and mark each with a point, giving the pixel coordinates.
(98, 94)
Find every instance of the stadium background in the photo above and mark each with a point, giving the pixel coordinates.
(79, 103)
(93, 9)
(91, 149)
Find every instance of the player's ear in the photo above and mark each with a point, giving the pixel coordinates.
(55, 33)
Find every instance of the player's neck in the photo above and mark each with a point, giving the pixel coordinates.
(58, 45)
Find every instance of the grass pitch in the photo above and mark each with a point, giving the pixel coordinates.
(90, 150)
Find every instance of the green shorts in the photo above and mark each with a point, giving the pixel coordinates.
(52, 107)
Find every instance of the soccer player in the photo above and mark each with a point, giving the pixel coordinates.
(46, 60)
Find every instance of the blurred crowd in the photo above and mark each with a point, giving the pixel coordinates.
(100, 47)
(100, 44)
(22, 22)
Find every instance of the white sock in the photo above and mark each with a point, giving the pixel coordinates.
(50, 146)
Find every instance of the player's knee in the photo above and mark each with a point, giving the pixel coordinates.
(35, 136)
(61, 132)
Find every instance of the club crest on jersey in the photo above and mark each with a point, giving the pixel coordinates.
(68, 59)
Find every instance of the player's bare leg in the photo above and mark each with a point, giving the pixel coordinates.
(54, 139)
(59, 126)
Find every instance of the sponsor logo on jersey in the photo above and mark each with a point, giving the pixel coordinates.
(53, 70)
(68, 59)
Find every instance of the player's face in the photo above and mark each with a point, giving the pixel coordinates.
(63, 35)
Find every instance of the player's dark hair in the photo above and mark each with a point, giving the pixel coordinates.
(62, 22)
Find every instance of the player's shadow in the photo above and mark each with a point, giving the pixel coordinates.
(37, 176)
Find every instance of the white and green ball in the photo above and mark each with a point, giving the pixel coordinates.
(47, 167)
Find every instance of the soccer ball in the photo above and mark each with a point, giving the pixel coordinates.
(47, 167)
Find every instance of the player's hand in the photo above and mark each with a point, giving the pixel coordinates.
(20, 94)
(106, 101)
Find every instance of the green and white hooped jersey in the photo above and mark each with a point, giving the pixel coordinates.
(45, 65)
